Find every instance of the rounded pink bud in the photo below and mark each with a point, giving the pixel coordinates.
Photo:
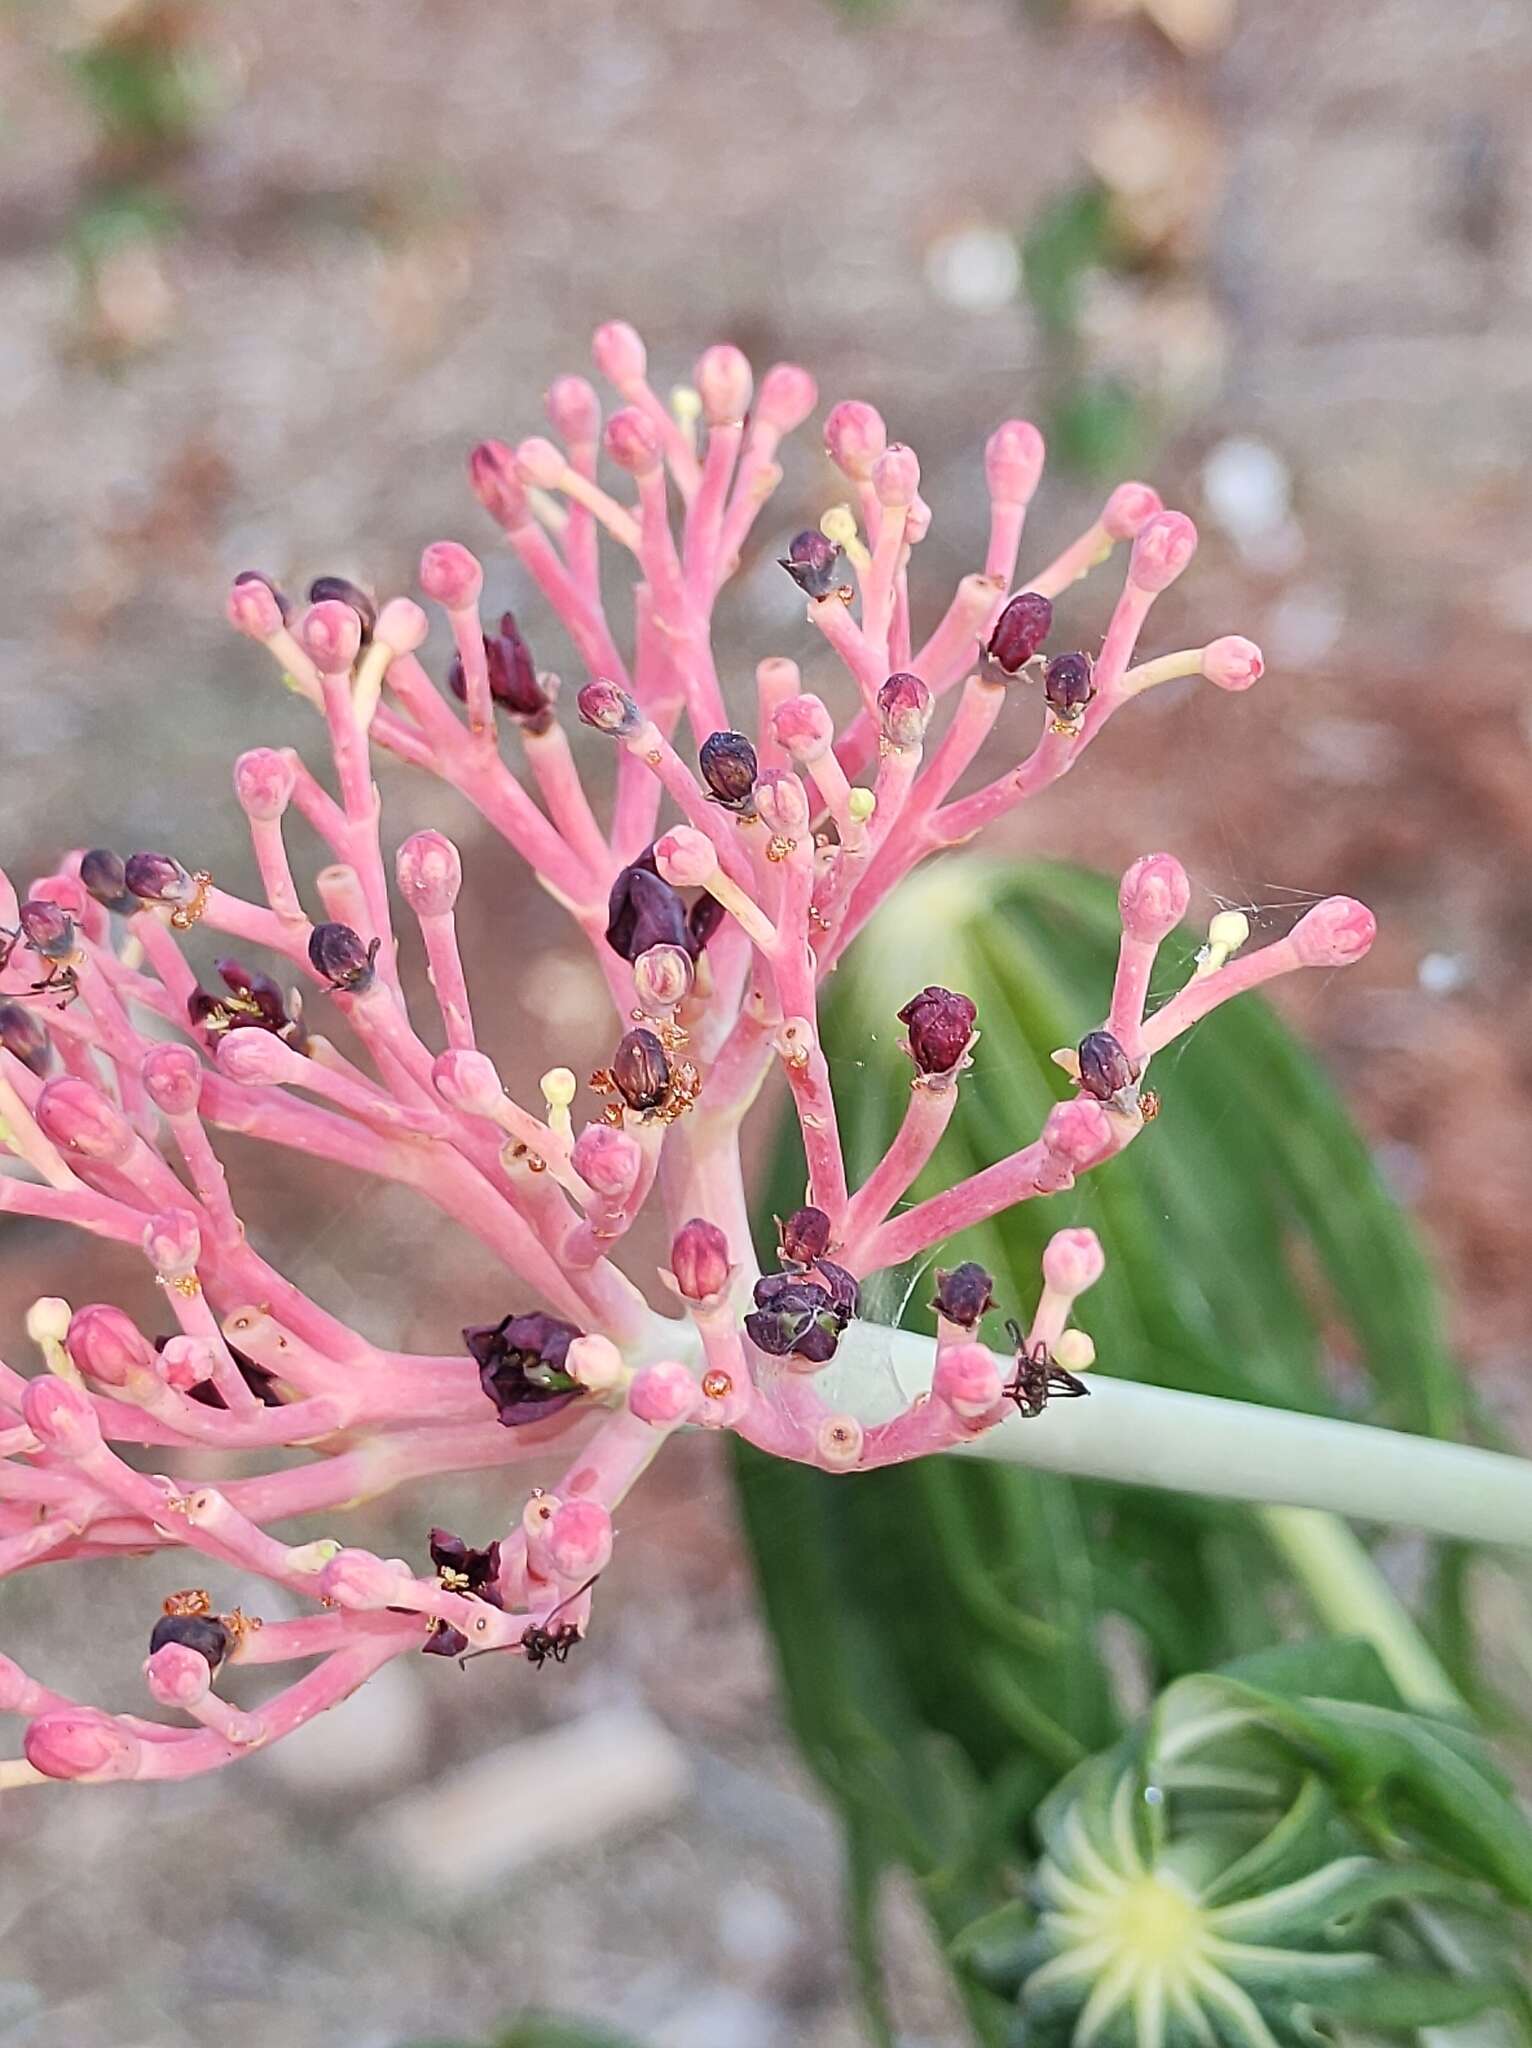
(917, 520)
(496, 483)
(79, 1118)
(967, 1380)
(466, 1080)
(429, 871)
(1072, 1261)
(263, 782)
(573, 409)
(896, 475)
(172, 1242)
(787, 396)
(178, 1676)
(607, 1160)
(61, 1417)
(402, 626)
(630, 439)
(184, 1362)
(664, 1395)
(1078, 1130)
(173, 1076)
(699, 1260)
(107, 1345)
(662, 978)
(450, 576)
(579, 1539)
(1153, 897)
(1334, 933)
(855, 437)
(618, 352)
(331, 633)
(781, 804)
(1233, 663)
(77, 1743)
(254, 607)
(1013, 462)
(356, 1578)
(1129, 509)
(539, 463)
(257, 1059)
(804, 728)
(904, 709)
(724, 383)
(685, 858)
(1161, 550)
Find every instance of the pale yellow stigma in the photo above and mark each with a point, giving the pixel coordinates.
(1226, 934)
(558, 1087)
(860, 805)
(839, 525)
(48, 1322)
(686, 410)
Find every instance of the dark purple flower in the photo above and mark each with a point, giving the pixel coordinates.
(802, 1315)
(964, 1294)
(514, 683)
(643, 911)
(1105, 1069)
(444, 1641)
(1020, 630)
(340, 589)
(803, 1237)
(641, 1070)
(204, 1633)
(729, 768)
(812, 560)
(521, 1366)
(464, 1569)
(283, 606)
(25, 1039)
(103, 876)
(1068, 684)
(158, 878)
(339, 956)
(940, 1025)
(47, 929)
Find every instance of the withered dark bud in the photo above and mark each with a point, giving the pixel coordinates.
(47, 929)
(514, 683)
(158, 878)
(521, 1366)
(812, 560)
(641, 1070)
(608, 707)
(643, 911)
(1020, 630)
(340, 589)
(702, 920)
(24, 1038)
(802, 1315)
(1105, 1069)
(803, 1237)
(964, 1294)
(338, 955)
(904, 709)
(444, 1641)
(103, 876)
(729, 769)
(283, 606)
(1068, 684)
(940, 1024)
(204, 1633)
(699, 1260)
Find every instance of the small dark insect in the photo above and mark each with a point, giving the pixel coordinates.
(1037, 1380)
(59, 980)
(544, 1639)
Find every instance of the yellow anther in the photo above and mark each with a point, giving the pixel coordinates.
(558, 1086)
(686, 410)
(1226, 934)
(839, 525)
(47, 1326)
(860, 805)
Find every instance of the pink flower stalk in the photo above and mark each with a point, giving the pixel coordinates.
(144, 1010)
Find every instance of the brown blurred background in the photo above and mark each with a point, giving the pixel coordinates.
(267, 271)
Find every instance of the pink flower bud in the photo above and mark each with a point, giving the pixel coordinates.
(631, 441)
(467, 1081)
(607, 1160)
(184, 1362)
(331, 633)
(787, 396)
(595, 1362)
(258, 1059)
(573, 409)
(178, 1676)
(803, 726)
(1161, 550)
(263, 782)
(79, 1118)
(580, 1539)
(662, 978)
(619, 353)
(1072, 1261)
(664, 1395)
(1153, 897)
(107, 1345)
(1233, 663)
(429, 871)
(496, 483)
(1129, 509)
(855, 437)
(608, 707)
(450, 576)
(61, 1417)
(356, 1578)
(539, 464)
(685, 857)
(1078, 1130)
(904, 709)
(699, 1260)
(76, 1743)
(402, 626)
(967, 1380)
(917, 520)
(173, 1076)
(724, 381)
(256, 606)
(780, 804)
(1334, 933)
(1013, 462)
(896, 475)
(172, 1242)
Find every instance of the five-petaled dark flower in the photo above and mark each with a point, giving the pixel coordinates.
(521, 1366)
(802, 1314)
(643, 911)
(812, 560)
(964, 1294)
(514, 683)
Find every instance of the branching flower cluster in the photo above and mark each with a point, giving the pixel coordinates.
(723, 885)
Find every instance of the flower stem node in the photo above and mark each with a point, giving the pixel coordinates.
(839, 1441)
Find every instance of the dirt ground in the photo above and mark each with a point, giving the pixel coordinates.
(399, 222)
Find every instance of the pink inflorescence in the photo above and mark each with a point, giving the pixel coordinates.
(742, 851)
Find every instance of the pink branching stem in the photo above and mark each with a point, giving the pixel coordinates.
(553, 769)
(926, 1117)
(866, 661)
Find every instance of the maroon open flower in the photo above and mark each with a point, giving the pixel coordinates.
(521, 1366)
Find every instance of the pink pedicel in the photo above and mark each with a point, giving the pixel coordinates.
(150, 1012)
